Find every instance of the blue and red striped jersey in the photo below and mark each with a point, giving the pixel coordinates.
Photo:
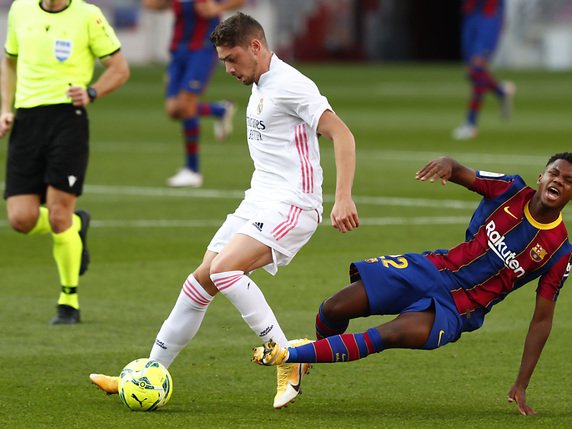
(504, 249)
(485, 7)
(191, 32)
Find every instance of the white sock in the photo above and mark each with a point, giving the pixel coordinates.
(248, 299)
(183, 322)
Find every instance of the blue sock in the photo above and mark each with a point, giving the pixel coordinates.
(191, 137)
(326, 327)
(338, 348)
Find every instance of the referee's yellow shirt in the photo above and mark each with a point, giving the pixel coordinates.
(55, 49)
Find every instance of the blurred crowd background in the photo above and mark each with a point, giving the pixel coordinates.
(538, 33)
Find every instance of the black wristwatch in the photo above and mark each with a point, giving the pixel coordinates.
(91, 93)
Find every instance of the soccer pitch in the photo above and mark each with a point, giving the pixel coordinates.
(146, 238)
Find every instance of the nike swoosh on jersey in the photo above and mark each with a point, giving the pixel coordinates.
(507, 211)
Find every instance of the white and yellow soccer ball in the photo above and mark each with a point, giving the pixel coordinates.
(145, 385)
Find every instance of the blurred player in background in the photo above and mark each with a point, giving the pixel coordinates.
(51, 47)
(281, 210)
(191, 66)
(516, 235)
(483, 21)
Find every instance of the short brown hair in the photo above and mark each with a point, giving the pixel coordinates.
(238, 30)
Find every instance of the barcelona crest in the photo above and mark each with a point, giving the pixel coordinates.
(537, 253)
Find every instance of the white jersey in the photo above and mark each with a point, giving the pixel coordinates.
(282, 120)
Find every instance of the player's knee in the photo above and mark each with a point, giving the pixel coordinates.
(172, 109)
(216, 267)
(187, 112)
(333, 309)
(201, 275)
(22, 222)
(172, 113)
(60, 220)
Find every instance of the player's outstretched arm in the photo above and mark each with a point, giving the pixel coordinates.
(538, 333)
(7, 91)
(344, 214)
(446, 168)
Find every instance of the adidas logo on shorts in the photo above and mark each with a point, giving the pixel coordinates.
(258, 225)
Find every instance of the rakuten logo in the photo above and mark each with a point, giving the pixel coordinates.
(497, 245)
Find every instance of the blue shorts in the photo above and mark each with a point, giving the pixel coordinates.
(410, 283)
(190, 71)
(480, 36)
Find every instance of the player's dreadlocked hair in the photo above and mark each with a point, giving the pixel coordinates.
(566, 156)
(238, 30)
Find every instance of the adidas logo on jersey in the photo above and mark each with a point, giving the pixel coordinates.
(258, 225)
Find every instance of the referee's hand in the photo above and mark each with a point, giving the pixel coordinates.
(6, 121)
(78, 96)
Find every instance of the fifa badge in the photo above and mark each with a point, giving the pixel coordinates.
(63, 50)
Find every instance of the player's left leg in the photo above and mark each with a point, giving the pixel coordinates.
(68, 249)
(409, 330)
(199, 68)
(241, 255)
(223, 112)
(270, 238)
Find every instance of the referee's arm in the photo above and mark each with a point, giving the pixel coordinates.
(115, 74)
(7, 91)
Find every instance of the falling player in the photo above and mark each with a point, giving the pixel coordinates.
(516, 235)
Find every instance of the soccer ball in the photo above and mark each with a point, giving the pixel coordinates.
(145, 385)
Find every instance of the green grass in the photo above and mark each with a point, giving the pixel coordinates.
(145, 241)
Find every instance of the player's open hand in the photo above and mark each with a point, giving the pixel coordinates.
(6, 122)
(440, 168)
(78, 95)
(518, 394)
(344, 216)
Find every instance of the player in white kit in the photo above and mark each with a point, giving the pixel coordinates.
(282, 208)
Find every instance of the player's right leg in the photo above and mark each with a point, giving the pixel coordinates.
(180, 327)
(336, 312)
(26, 216)
(189, 74)
(187, 315)
(183, 107)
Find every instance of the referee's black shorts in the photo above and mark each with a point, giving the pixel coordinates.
(49, 145)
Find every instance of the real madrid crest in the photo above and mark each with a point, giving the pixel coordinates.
(260, 106)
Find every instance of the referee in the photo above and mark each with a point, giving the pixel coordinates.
(51, 48)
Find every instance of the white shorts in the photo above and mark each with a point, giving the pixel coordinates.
(282, 227)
